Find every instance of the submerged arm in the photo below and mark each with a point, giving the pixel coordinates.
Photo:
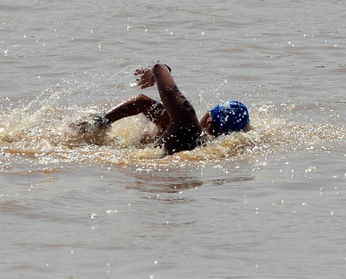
(152, 109)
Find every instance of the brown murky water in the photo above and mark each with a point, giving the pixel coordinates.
(268, 203)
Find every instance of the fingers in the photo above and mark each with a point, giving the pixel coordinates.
(139, 71)
(141, 82)
(146, 79)
(146, 84)
(80, 127)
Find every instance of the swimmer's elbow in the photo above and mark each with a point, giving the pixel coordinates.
(162, 76)
(160, 68)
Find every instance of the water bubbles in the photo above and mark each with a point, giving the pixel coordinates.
(310, 169)
(108, 265)
(112, 211)
(93, 215)
(321, 191)
(170, 33)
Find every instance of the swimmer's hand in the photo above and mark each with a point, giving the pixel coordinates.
(97, 122)
(146, 80)
(81, 127)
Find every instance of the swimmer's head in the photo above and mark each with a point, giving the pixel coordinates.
(227, 117)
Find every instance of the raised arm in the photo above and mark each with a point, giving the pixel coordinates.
(178, 107)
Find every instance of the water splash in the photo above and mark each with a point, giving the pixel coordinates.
(38, 133)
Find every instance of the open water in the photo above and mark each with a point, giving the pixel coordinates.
(269, 203)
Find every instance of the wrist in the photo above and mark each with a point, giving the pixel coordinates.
(169, 69)
(101, 120)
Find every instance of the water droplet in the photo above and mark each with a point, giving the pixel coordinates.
(110, 211)
(93, 215)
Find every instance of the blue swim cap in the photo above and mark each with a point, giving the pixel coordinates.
(230, 116)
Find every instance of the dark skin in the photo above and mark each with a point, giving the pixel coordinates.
(176, 119)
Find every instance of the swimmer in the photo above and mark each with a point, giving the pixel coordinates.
(176, 119)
